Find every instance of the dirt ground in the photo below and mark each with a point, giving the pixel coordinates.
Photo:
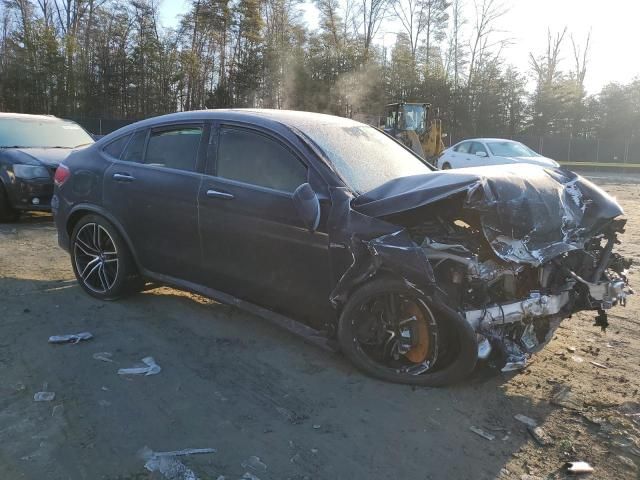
(233, 382)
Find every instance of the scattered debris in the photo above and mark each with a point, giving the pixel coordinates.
(290, 416)
(254, 463)
(540, 436)
(628, 462)
(44, 395)
(578, 467)
(57, 410)
(599, 365)
(314, 451)
(168, 465)
(71, 338)
(249, 476)
(528, 421)
(103, 356)
(564, 397)
(577, 359)
(152, 368)
(482, 433)
(316, 427)
(571, 349)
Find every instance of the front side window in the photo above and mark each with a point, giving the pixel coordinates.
(175, 147)
(135, 149)
(253, 158)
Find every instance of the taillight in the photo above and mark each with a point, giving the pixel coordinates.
(62, 175)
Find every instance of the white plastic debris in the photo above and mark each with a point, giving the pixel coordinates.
(152, 368)
(168, 465)
(44, 396)
(579, 467)
(254, 463)
(103, 356)
(71, 338)
(249, 476)
(528, 421)
(482, 433)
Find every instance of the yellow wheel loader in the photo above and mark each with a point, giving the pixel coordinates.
(410, 124)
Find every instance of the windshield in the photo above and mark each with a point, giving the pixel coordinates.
(511, 149)
(412, 118)
(365, 157)
(41, 133)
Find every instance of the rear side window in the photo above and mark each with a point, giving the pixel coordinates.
(463, 147)
(115, 148)
(477, 147)
(175, 147)
(135, 149)
(253, 158)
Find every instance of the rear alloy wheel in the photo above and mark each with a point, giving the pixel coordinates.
(101, 260)
(7, 212)
(391, 332)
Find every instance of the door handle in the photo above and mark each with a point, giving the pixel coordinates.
(123, 177)
(217, 194)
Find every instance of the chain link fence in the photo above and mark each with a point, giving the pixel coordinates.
(562, 149)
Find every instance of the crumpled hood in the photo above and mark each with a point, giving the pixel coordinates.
(49, 157)
(528, 214)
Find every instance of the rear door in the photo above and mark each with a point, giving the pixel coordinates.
(253, 242)
(460, 154)
(152, 190)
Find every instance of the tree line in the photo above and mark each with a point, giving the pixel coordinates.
(112, 59)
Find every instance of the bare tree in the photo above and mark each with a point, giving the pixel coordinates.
(486, 15)
(372, 13)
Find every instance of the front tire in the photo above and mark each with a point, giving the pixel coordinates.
(446, 166)
(8, 214)
(102, 261)
(428, 346)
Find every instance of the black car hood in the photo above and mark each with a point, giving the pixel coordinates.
(49, 157)
(528, 214)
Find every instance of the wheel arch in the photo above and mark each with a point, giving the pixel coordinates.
(82, 210)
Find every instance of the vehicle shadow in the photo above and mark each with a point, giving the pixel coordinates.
(232, 381)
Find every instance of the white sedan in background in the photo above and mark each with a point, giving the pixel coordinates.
(477, 152)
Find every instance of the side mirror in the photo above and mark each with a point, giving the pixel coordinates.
(308, 206)
(481, 154)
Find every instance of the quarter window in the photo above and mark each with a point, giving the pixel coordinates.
(175, 147)
(253, 158)
(135, 149)
(115, 147)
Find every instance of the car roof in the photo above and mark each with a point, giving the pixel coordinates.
(28, 116)
(269, 118)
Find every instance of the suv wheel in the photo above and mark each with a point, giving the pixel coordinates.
(101, 260)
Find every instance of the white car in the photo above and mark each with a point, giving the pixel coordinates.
(477, 152)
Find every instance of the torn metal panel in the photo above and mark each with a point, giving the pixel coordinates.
(528, 214)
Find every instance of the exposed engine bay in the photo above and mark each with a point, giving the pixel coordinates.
(512, 250)
(515, 307)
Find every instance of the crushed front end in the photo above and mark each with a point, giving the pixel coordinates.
(515, 251)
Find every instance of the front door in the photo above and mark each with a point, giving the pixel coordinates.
(152, 190)
(253, 242)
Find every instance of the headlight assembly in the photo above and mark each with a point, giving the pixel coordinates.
(29, 172)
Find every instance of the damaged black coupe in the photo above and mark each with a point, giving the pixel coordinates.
(417, 273)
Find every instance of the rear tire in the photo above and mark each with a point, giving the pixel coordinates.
(454, 342)
(102, 261)
(446, 166)
(8, 214)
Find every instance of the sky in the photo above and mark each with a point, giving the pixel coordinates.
(614, 25)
